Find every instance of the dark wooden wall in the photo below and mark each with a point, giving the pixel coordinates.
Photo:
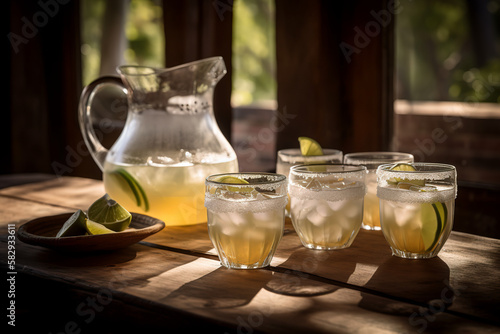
(335, 65)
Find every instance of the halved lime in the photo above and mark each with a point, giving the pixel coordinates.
(309, 147)
(94, 228)
(75, 225)
(109, 213)
(129, 184)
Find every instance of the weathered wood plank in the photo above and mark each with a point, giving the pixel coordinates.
(69, 192)
(463, 279)
(187, 286)
(18, 212)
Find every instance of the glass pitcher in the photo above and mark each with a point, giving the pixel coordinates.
(170, 142)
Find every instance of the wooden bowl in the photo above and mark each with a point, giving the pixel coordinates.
(42, 232)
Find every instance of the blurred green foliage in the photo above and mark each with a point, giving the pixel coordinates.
(144, 34)
(437, 57)
(254, 61)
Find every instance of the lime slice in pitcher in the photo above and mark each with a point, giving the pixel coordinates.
(130, 185)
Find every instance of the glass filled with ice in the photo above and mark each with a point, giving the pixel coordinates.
(417, 204)
(371, 212)
(326, 203)
(293, 156)
(246, 217)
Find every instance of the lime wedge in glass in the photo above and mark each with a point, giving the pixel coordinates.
(433, 217)
(75, 225)
(94, 228)
(130, 185)
(231, 179)
(234, 180)
(309, 147)
(405, 167)
(109, 213)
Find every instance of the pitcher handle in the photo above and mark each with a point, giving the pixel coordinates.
(97, 150)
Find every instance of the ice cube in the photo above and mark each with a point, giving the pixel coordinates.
(265, 216)
(296, 203)
(224, 222)
(336, 205)
(315, 218)
(257, 196)
(237, 218)
(233, 195)
(404, 213)
(323, 209)
(314, 185)
(353, 208)
(423, 188)
(337, 185)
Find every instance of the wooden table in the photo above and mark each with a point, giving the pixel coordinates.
(173, 281)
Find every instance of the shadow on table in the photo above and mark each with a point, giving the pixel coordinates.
(221, 288)
(303, 272)
(408, 285)
(83, 259)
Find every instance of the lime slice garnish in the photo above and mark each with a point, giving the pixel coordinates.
(75, 225)
(231, 179)
(434, 217)
(309, 147)
(404, 167)
(234, 180)
(94, 228)
(109, 213)
(130, 184)
(431, 225)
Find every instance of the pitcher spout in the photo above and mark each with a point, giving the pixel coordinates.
(186, 79)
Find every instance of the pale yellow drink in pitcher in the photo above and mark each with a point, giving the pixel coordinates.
(174, 193)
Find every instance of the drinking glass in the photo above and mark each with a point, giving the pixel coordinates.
(246, 220)
(417, 207)
(292, 156)
(371, 215)
(326, 203)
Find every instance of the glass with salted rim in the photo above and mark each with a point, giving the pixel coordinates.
(371, 212)
(246, 220)
(292, 156)
(417, 208)
(326, 203)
